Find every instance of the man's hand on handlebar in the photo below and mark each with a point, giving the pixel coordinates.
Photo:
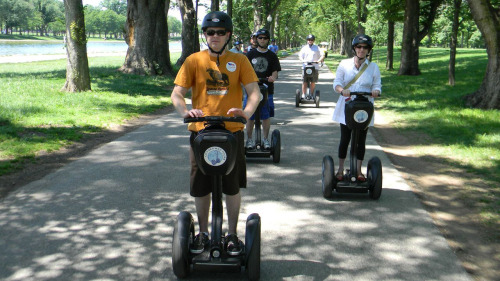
(237, 112)
(193, 113)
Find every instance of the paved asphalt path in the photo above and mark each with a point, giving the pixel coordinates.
(110, 214)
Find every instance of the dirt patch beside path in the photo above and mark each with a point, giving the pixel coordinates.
(440, 187)
(46, 163)
(442, 190)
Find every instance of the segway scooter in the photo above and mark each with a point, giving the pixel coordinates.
(215, 153)
(259, 150)
(309, 72)
(358, 115)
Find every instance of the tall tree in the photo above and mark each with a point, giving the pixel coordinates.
(146, 34)
(453, 41)
(189, 30)
(409, 50)
(77, 65)
(487, 18)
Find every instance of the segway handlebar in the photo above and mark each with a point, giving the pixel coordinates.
(363, 94)
(215, 119)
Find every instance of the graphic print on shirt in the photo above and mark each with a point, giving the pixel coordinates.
(218, 82)
(260, 64)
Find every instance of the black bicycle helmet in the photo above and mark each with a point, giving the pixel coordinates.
(217, 19)
(264, 32)
(362, 39)
(310, 36)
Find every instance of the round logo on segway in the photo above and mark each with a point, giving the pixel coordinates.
(215, 156)
(360, 116)
(309, 71)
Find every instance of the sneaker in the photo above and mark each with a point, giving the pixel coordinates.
(250, 144)
(233, 245)
(200, 242)
(267, 145)
(303, 96)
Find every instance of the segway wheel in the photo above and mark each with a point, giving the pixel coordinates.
(297, 98)
(183, 236)
(327, 181)
(276, 146)
(374, 178)
(252, 244)
(316, 98)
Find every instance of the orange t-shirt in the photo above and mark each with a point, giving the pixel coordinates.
(216, 89)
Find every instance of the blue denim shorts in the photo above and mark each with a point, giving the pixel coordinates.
(267, 109)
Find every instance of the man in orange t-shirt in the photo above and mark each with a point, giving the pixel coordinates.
(215, 77)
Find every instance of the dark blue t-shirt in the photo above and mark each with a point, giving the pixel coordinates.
(264, 65)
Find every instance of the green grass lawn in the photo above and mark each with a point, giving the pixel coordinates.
(36, 116)
(448, 131)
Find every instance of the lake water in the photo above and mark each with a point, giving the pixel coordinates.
(10, 48)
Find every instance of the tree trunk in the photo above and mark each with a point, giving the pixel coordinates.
(189, 30)
(77, 65)
(389, 65)
(453, 42)
(345, 39)
(230, 8)
(429, 14)
(214, 6)
(361, 14)
(257, 15)
(409, 50)
(487, 17)
(146, 34)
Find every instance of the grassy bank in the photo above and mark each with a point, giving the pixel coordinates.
(427, 107)
(35, 116)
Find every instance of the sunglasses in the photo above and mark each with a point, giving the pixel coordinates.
(262, 38)
(362, 47)
(310, 39)
(219, 32)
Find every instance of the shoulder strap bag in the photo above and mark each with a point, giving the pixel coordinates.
(357, 76)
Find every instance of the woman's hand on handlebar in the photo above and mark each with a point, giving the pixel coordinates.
(375, 93)
(346, 92)
(237, 112)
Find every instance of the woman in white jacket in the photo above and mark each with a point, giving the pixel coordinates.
(344, 83)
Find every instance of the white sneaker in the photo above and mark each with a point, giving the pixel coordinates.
(250, 144)
(267, 145)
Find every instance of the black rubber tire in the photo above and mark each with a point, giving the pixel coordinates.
(374, 177)
(252, 244)
(183, 236)
(276, 146)
(327, 180)
(316, 98)
(297, 98)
